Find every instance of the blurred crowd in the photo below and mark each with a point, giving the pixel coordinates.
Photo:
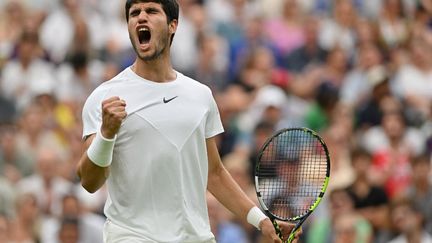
(359, 72)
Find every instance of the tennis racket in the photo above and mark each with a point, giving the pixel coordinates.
(291, 176)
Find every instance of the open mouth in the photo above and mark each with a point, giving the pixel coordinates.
(144, 35)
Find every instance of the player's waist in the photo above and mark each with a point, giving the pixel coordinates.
(117, 231)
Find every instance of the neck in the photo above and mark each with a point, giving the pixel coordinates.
(159, 70)
(415, 236)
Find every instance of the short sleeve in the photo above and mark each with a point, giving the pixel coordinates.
(91, 114)
(213, 122)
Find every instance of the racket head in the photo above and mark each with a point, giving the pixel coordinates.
(292, 173)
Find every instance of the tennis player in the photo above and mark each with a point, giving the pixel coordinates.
(150, 135)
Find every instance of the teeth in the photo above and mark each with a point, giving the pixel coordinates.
(143, 29)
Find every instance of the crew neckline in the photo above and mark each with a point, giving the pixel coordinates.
(172, 82)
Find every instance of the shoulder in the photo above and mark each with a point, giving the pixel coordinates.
(100, 91)
(195, 86)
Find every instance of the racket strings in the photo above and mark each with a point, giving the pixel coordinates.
(291, 173)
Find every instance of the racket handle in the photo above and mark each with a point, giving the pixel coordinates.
(293, 233)
(279, 232)
(277, 228)
(290, 238)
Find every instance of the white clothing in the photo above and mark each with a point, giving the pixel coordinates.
(35, 185)
(22, 85)
(184, 49)
(412, 81)
(158, 176)
(115, 233)
(375, 139)
(71, 87)
(355, 87)
(56, 34)
(332, 34)
(90, 227)
(426, 238)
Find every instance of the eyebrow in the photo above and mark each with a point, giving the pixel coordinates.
(146, 9)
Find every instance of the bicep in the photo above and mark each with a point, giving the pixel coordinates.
(214, 160)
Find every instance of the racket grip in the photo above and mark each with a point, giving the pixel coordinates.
(277, 228)
(293, 233)
(290, 238)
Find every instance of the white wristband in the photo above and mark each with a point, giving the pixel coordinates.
(101, 149)
(255, 216)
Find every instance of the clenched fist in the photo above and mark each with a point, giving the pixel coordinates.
(113, 113)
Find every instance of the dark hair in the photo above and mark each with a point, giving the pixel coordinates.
(358, 152)
(29, 37)
(170, 7)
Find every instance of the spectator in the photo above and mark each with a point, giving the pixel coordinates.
(392, 23)
(286, 31)
(338, 30)
(88, 226)
(58, 29)
(370, 201)
(408, 223)
(309, 53)
(337, 136)
(28, 75)
(318, 116)
(253, 38)
(4, 228)
(69, 231)
(342, 215)
(14, 165)
(413, 81)
(369, 112)
(420, 190)
(212, 62)
(392, 146)
(357, 86)
(7, 199)
(12, 16)
(48, 187)
(347, 229)
(24, 227)
(78, 78)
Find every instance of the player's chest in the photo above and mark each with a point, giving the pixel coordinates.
(170, 118)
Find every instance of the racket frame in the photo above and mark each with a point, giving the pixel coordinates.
(301, 218)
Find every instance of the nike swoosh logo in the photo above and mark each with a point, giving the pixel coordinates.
(168, 100)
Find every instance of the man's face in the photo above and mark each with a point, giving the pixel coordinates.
(149, 30)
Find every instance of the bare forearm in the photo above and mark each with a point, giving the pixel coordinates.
(227, 192)
(92, 176)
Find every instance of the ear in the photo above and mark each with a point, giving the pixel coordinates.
(173, 26)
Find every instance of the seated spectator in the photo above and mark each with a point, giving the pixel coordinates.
(286, 31)
(48, 187)
(392, 145)
(81, 224)
(392, 24)
(27, 76)
(338, 29)
(408, 222)
(24, 226)
(310, 52)
(420, 190)
(69, 231)
(329, 229)
(370, 201)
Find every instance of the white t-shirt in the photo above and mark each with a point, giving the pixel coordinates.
(158, 179)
